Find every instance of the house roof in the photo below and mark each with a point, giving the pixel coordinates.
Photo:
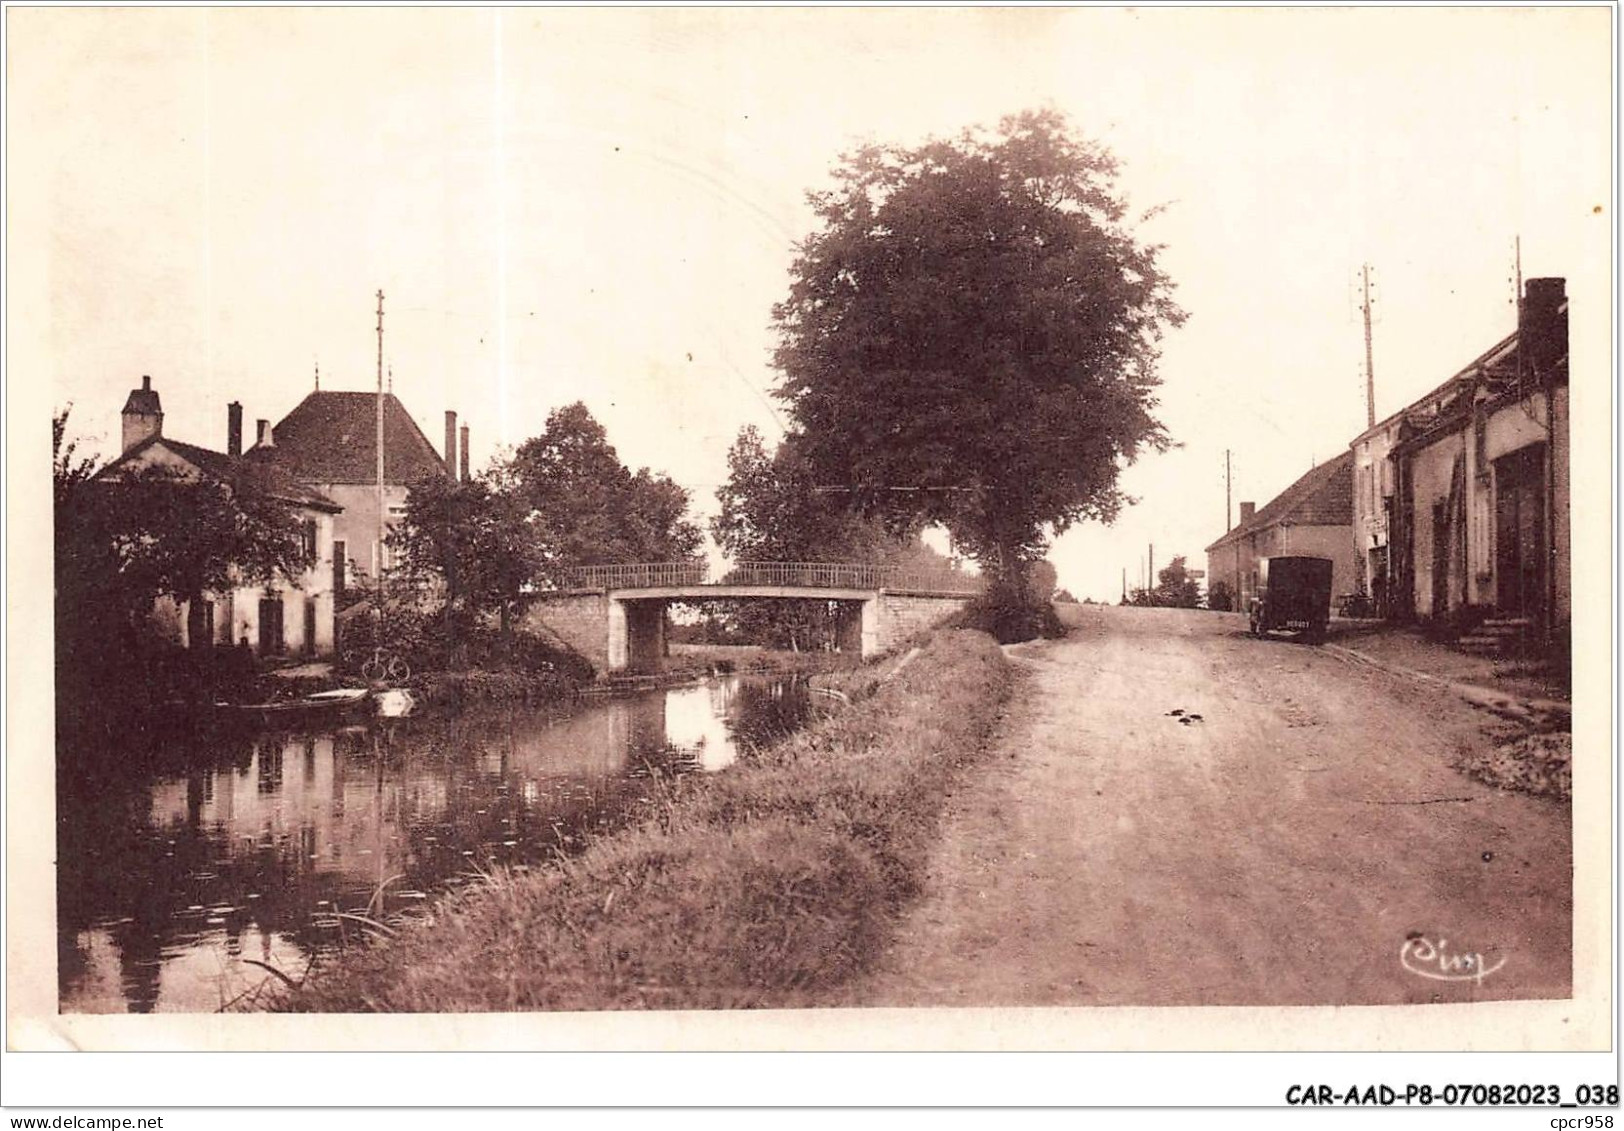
(240, 473)
(1497, 359)
(142, 402)
(330, 437)
(1323, 497)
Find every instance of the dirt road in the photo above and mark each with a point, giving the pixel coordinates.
(1306, 841)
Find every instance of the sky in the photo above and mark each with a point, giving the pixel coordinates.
(603, 205)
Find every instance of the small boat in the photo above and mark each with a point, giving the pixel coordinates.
(320, 702)
(394, 703)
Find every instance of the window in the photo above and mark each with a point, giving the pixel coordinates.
(307, 533)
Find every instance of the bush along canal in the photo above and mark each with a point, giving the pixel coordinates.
(768, 885)
(201, 869)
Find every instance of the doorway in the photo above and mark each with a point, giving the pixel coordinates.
(270, 626)
(1519, 532)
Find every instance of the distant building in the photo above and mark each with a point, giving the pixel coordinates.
(1479, 474)
(286, 616)
(1312, 517)
(329, 442)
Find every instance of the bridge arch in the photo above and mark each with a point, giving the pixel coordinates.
(615, 615)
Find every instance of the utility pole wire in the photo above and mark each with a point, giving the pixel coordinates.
(837, 490)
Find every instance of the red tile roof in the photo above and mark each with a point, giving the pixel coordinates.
(1323, 497)
(330, 438)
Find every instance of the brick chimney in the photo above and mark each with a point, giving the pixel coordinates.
(462, 452)
(451, 443)
(1247, 511)
(143, 415)
(1543, 334)
(265, 435)
(234, 428)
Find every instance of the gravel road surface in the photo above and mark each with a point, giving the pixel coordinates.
(1305, 841)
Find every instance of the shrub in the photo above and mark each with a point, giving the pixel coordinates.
(1010, 616)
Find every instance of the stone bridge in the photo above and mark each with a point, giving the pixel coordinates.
(615, 615)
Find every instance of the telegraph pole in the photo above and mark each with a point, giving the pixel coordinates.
(1150, 570)
(1226, 491)
(1370, 364)
(1517, 254)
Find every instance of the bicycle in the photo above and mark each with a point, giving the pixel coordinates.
(383, 664)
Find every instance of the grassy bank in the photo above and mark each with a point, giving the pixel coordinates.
(768, 884)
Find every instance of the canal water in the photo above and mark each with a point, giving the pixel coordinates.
(179, 884)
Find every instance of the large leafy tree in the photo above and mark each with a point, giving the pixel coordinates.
(175, 537)
(971, 336)
(587, 508)
(154, 532)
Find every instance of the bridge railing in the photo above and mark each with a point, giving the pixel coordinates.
(807, 575)
(850, 575)
(789, 575)
(647, 575)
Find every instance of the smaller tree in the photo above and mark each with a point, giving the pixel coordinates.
(586, 508)
(1175, 588)
(773, 509)
(69, 470)
(474, 539)
(1220, 597)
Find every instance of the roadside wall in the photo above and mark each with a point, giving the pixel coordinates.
(901, 616)
(580, 621)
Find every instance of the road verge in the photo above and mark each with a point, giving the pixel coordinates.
(767, 885)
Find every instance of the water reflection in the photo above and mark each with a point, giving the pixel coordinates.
(178, 886)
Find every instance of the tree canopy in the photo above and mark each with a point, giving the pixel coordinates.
(1175, 588)
(971, 336)
(771, 510)
(123, 542)
(562, 499)
(153, 533)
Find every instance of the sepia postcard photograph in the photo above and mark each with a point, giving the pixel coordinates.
(791, 529)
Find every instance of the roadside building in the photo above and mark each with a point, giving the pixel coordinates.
(1479, 471)
(1373, 501)
(1312, 517)
(288, 615)
(329, 442)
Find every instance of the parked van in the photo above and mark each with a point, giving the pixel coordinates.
(1293, 593)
